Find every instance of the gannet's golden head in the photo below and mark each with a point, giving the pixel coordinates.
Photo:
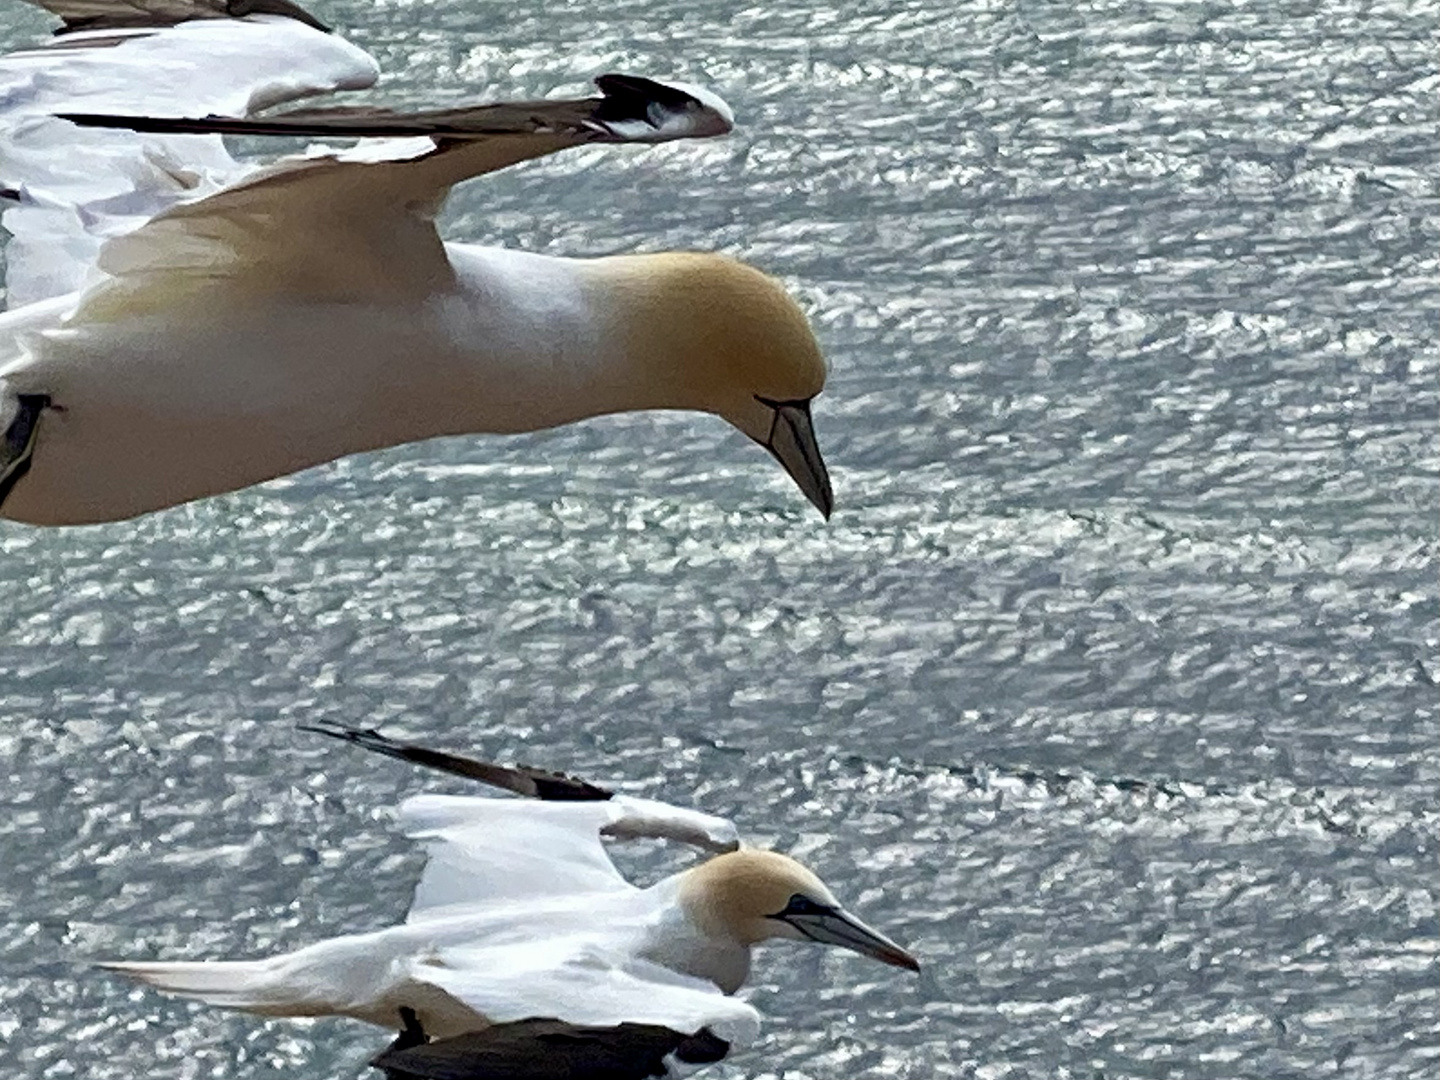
(749, 896)
(714, 334)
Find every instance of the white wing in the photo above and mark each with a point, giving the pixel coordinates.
(69, 189)
(635, 818)
(484, 851)
(488, 850)
(583, 984)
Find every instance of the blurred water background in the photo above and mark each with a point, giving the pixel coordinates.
(1111, 687)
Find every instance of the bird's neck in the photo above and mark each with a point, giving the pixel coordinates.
(682, 942)
(543, 341)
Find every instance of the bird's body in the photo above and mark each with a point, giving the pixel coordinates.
(514, 342)
(372, 976)
(520, 916)
(183, 325)
(520, 913)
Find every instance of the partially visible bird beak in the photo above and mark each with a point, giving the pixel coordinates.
(792, 441)
(837, 926)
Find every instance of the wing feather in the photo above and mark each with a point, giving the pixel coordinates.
(156, 203)
(542, 1049)
(520, 779)
(583, 984)
(483, 851)
(74, 191)
(113, 14)
(374, 210)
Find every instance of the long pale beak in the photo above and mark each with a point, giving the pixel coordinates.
(792, 441)
(836, 926)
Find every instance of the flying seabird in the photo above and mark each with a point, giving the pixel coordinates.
(182, 325)
(525, 948)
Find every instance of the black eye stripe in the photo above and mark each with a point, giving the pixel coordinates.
(801, 905)
(794, 403)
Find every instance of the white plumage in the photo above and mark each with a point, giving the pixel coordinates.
(78, 188)
(181, 324)
(521, 915)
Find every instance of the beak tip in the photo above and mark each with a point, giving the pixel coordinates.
(839, 927)
(792, 443)
(899, 958)
(822, 497)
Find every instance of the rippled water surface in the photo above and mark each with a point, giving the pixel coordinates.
(1111, 687)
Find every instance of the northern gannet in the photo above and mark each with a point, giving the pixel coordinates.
(182, 325)
(524, 939)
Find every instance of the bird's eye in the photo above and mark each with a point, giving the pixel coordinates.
(801, 905)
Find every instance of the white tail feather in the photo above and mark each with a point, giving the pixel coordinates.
(257, 986)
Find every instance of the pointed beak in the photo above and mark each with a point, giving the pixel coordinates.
(792, 441)
(837, 926)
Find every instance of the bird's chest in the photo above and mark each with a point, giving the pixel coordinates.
(724, 963)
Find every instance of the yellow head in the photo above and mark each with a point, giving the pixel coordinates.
(750, 896)
(709, 333)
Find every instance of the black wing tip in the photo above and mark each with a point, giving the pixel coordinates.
(149, 125)
(365, 738)
(561, 787)
(337, 730)
(347, 123)
(615, 84)
(685, 111)
(630, 109)
(240, 8)
(139, 16)
(198, 125)
(541, 784)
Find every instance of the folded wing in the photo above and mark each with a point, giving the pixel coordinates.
(543, 1049)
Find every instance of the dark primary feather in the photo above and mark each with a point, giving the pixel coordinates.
(627, 99)
(543, 1049)
(521, 779)
(633, 97)
(133, 14)
(477, 122)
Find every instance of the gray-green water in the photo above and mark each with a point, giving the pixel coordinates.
(1110, 687)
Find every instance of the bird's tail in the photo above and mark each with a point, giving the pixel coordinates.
(258, 986)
